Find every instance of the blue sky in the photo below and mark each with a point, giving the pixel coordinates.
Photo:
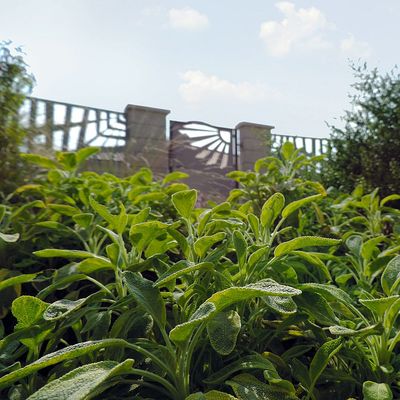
(283, 63)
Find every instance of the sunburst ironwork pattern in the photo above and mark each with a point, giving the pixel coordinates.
(211, 146)
(68, 127)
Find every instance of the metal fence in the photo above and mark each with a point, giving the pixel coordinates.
(207, 152)
(68, 127)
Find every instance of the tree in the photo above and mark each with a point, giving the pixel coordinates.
(16, 83)
(367, 149)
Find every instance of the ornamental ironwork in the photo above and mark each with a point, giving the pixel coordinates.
(68, 127)
(196, 144)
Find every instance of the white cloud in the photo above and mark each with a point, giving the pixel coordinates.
(299, 28)
(201, 87)
(354, 48)
(187, 19)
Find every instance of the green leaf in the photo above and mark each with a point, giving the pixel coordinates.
(84, 382)
(321, 359)
(103, 212)
(282, 305)
(314, 260)
(202, 245)
(61, 308)
(254, 223)
(2, 212)
(41, 161)
(271, 209)
(254, 361)
(67, 159)
(223, 330)
(17, 280)
(376, 391)
(354, 243)
(257, 256)
(184, 202)
(9, 238)
(391, 315)
(224, 298)
(67, 353)
(317, 307)
(390, 278)
(293, 206)
(146, 295)
(217, 395)
(240, 246)
(50, 253)
(144, 233)
(179, 269)
(303, 241)
(27, 310)
(391, 197)
(84, 220)
(174, 176)
(368, 248)
(379, 306)
(83, 154)
(287, 150)
(53, 225)
(143, 177)
(90, 265)
(247, 387)
(211, 395)
(64, 209)
(337, 330)
(329, 292)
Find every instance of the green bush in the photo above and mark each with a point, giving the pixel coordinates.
(367, 149)
(124, 288)
(15, 83)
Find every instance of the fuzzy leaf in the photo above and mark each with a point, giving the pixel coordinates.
(61, 308)
(9, 238)
(301, 242)
(84, 382)
(293, 206)
(223, 331)
(247, 387)
(390, 278)
(271, 209)
(146, 295)
(50, 253)
(223, 299)
(184, 202)
(202, 245)
(67, 353)
(179, 269)
(17, 280)
(321, 359)
(376, 391)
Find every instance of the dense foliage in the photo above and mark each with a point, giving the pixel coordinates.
(116, 288)
(367, 149)
(15, 83)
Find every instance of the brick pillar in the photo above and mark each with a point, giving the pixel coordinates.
(146, 138)
(255, 143)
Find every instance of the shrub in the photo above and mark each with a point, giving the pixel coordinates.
(15, 83)
(367, 149)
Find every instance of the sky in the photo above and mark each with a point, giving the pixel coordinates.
(280, 63)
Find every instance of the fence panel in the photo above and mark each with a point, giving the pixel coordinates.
(206, 152)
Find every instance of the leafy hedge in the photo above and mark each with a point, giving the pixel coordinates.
(15, 83)
(118, 288)
(367, 149)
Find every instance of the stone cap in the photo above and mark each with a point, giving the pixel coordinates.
(145, 108)
(253, 125)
